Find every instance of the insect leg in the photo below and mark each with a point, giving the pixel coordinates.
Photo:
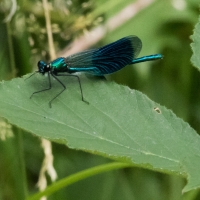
(43, 89)
(64, 88)
(78, 82)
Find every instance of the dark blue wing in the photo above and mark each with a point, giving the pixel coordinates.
(107, 59)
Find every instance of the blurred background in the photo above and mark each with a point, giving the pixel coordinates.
(163, 26)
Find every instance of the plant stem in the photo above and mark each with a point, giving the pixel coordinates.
(22, 163)
(77, 177)
(11, 50)
(49, 31)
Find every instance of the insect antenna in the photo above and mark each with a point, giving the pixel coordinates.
(31, 75)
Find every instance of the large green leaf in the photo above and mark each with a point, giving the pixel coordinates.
(119, 123)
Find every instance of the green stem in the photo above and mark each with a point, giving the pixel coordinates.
(22, 164)
(191, 195)
(77, 177)
(49, 31)
(11, 51)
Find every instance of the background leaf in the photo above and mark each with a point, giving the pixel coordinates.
(119, 123)
(196, 46)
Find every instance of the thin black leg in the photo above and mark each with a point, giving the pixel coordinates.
(65, 86)
(43, 89)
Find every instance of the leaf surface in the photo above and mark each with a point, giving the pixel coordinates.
(119, 123)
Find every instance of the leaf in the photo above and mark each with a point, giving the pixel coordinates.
(195, 59)
(119, 123)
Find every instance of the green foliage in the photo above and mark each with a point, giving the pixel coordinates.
(119, 124)
(68, 19)
(124, 125)
(196, 46)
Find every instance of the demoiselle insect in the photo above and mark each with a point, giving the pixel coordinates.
(98, 62)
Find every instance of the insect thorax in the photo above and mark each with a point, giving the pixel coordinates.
(59, 65)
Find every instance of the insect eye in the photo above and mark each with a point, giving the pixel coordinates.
(42, 66)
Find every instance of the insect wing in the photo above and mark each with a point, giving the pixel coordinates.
(107, 59)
